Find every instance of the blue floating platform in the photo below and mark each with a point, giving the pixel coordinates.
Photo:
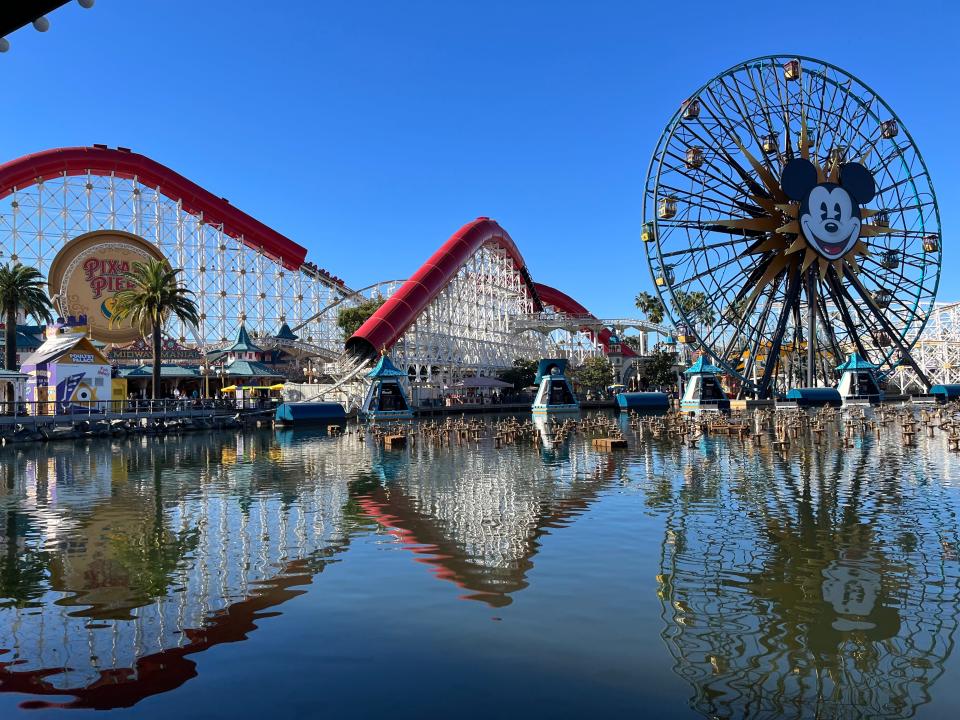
(945, 392)
(815, 397)
(643, 401)
(309, 413)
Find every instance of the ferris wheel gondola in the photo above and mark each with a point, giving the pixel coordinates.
(790, 220)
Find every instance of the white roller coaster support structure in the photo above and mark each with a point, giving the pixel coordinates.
(937, 352)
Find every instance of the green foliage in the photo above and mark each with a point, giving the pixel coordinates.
(23, 570)
(152, 295)
(695, 306)
(651, 306)
(658, 370)
(596, 373)
(21, 289)
(349, 319)
(521, 375)
(150, 554)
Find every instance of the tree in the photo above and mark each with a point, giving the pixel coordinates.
(695, 306)
(152, 295)
(659, 369)
(596, 373)
(521, 375)
(651, 306)
(21, 290)
(349, 319)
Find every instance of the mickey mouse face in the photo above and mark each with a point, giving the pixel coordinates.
(829, 213)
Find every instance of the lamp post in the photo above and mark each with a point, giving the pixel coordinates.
(205, 371)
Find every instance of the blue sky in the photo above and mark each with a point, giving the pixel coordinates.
(370, 131)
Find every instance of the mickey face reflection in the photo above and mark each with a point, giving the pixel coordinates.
(829, 213)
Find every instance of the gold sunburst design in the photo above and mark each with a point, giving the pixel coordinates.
(784, 244)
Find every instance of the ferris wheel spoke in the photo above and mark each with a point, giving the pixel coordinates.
(742, 108)
(876, 333)
(708, 271)
(829, 331)
(835, 290)
(791, 297)
(904, 351)
(762, 101)
(759, 335)
(897, 184)
(721, 152)
(730, 233)
(753, 185)
(882, 286)
(718, 183)
(680, 193)
(711, 246)
(741, 322)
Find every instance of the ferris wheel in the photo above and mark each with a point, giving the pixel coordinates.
(789, 220)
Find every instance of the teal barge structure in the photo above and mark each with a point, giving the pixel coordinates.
(386, 399)
(858, 382)
(554, 393)
(814, 397)
(703, 391)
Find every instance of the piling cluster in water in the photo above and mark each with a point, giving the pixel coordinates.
(502, 431)
(780, 429)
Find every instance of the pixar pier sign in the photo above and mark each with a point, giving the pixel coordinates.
(106, 275)
(89, 270)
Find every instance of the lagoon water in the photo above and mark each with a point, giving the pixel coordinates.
(273, 574)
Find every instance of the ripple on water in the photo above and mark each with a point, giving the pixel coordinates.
(818, 581)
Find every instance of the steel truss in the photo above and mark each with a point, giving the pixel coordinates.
(468, 328)
(937, 352)
(234, 283)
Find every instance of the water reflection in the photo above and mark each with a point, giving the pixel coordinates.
(122, 559)
(820, 583)
(119, 560)
(823, 584)
(480, 525)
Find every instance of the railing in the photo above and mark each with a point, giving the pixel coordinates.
(112, 409)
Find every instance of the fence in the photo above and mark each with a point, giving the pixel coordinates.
(38, 412)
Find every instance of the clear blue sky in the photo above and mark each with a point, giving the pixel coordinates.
(370, 131)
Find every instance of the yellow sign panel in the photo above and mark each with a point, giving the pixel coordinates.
(89, 270)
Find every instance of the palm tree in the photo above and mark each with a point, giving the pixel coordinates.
(151, 297)
(21, 289)
(651, 306)
(696, 306)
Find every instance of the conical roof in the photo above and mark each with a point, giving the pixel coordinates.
(385, 368)
(855, 362)
(286, 333)
(243, 343)
(702, 367)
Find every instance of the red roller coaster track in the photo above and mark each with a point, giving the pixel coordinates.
(383, 329)
(399, 312)
(100, 160)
